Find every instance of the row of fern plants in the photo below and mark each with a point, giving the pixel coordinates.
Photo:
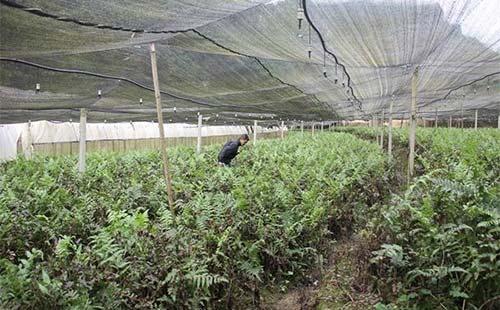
(107, 239)
(439, 237)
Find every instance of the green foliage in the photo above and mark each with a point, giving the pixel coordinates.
(441, 236)
(107, 239)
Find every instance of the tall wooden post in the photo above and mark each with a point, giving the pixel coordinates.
(282, 128)
(198, 141)
(382, 130)
(28, 150)
(436, 119)
(413, 123)
(312, 128)
(450, 122)
(475, 121)
(302, 127)
(377, 131)
(389, 136)
(462, 115)
(82, 141)
(254, 132)
(163, 144)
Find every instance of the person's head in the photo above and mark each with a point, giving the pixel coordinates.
(244, 139)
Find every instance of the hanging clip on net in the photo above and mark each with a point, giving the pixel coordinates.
(37, 87)
(140, 100)
(99, 93)
(300, 16)
(324, 65)
(309, 51)
(336, 80)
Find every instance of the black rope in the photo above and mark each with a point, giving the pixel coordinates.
(253, 57)
(104, 76)
(459, 87)
(306, 13)
(41, 13)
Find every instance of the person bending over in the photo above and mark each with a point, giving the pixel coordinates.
(230, 150)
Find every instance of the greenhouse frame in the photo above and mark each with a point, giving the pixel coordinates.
(371, 176)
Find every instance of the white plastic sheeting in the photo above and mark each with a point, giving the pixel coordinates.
(51, 132)
(9, 134)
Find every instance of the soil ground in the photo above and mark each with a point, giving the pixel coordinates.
(343, 284)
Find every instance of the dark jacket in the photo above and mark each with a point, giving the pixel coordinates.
(228, 152)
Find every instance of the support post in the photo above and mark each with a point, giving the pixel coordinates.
(163, 144)
(312, 128)
(389, 136)
(82, 141)
(450, 121)
(413, 123)
(28, 145)
(382, 130)
(402, 120)
(302, 127)
(436, 119)
(198, 141)
(462, 115)
(254, 132)
(498, 125)
(375, 125)
(475, 121)
(322, 126)
(282, 128)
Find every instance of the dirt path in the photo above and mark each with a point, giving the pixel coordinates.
(343, 284)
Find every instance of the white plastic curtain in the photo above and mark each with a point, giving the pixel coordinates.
(53, 132)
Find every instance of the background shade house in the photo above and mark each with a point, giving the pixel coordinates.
(248, 56)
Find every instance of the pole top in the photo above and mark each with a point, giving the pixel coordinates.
(152, 47)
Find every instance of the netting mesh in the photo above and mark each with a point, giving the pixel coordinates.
(243, 60)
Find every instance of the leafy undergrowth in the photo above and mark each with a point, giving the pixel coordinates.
(108, 240)
(440, 237)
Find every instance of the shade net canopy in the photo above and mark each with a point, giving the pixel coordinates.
(241, 60)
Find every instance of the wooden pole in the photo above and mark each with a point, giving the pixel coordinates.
(254, 132)
(375, 125)
(413, 124)
(28, 151)
(282, 128)
(389, 137)
(436, 119)
(450, 121)
(402, 120)
(312, 128)
(198, 141)
(462, 115)
(475, 121)
(163, 144)
(302, 127)
(322, 126)
(382, 130)
(82, 140)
